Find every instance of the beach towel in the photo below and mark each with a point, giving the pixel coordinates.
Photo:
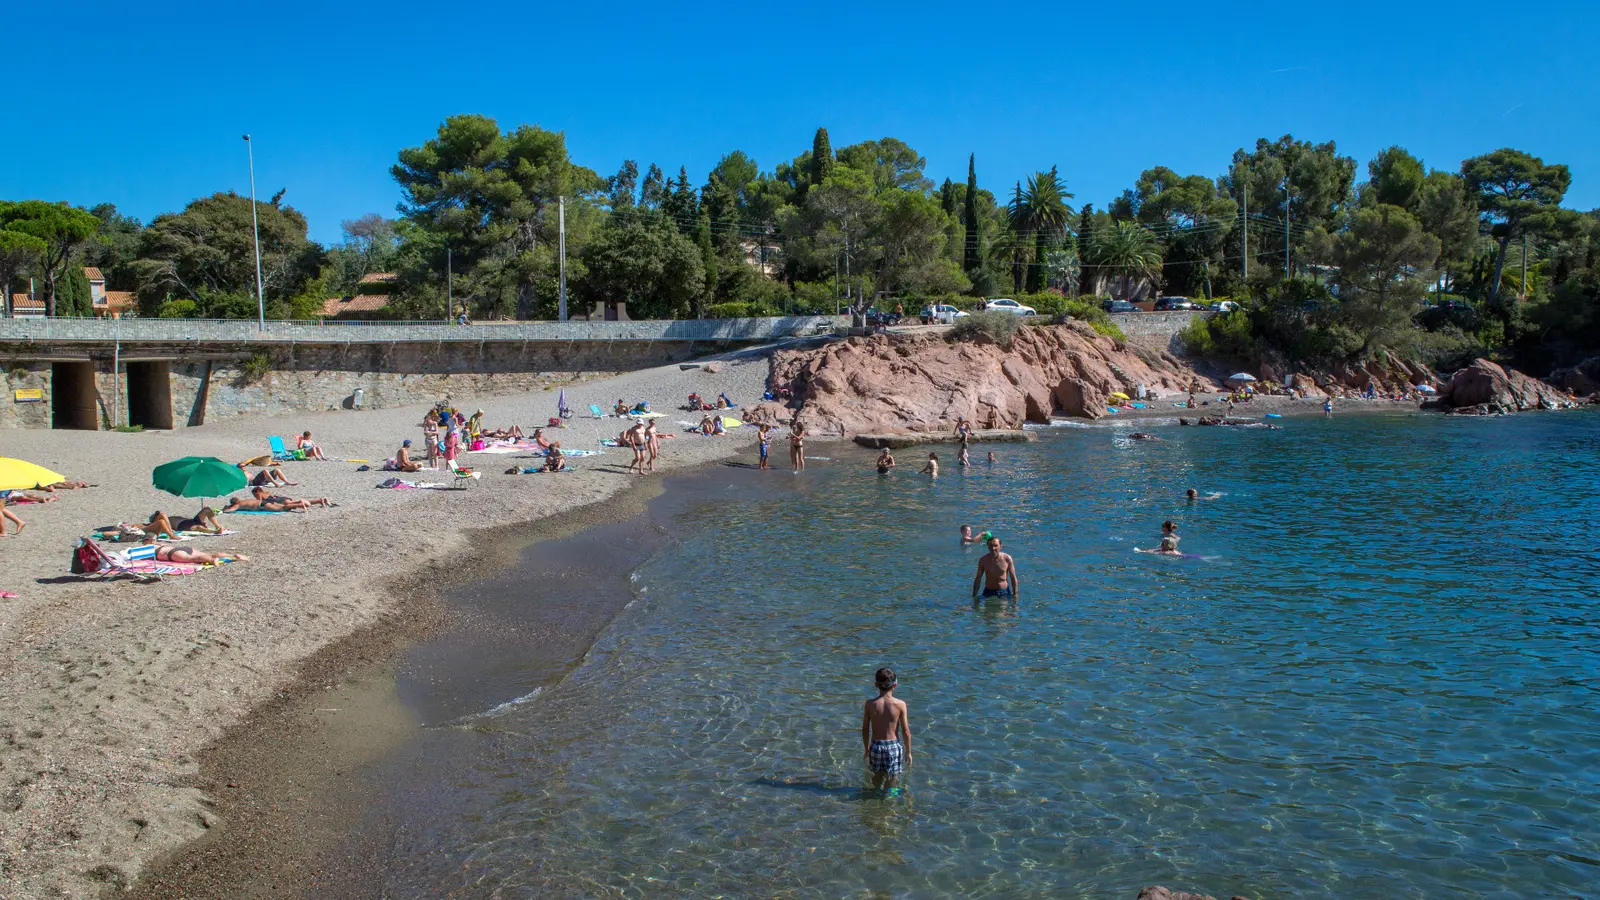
(205, 534)
(400, 484)
(256, 512)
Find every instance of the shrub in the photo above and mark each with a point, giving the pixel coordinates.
(741, 310)
(178, 309)
(1231, 335)
(995, 326)
(255, 367)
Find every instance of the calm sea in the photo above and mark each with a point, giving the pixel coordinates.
(1382, 680)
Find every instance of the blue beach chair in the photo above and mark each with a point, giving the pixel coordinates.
(279, 451)
(598, 412)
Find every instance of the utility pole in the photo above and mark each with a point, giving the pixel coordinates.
(255, 225)
(561, 232)
(1246, 223)
(1288, 219)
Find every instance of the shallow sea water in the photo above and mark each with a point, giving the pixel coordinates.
(1383, 681)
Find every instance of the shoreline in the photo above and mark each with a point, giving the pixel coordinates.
(113, 693)
(301, 802)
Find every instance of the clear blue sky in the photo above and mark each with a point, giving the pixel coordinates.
(143, 105)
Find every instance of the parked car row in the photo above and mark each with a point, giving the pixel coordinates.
(945, 314)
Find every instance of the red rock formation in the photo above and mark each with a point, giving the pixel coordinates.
(1485, 383)
(897, 383)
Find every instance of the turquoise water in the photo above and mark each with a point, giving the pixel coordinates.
(1382, 682)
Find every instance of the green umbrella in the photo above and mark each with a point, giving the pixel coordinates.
(198, 476)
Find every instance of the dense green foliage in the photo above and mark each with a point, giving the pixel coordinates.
(1475, 257)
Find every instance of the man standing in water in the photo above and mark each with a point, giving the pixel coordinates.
(884, 722)
(997, 572)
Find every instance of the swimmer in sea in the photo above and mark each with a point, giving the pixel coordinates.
(1193, 495)
(961, 458)
(997, 573)
(1169, 529)
(886, 732)
(1169, 547)
(990, 460)
(885, 461)
(932, 468)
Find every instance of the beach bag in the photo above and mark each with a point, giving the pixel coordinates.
(84, 559)
(477, 445)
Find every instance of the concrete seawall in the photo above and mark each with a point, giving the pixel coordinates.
(97, 374)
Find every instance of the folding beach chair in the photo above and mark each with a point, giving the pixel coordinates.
(598, 412)
(279, 451)
(91, 561)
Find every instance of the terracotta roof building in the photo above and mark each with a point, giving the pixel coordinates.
(356, 307)
(24, 305)
(108, 303)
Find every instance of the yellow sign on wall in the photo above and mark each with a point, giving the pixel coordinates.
(28, 395)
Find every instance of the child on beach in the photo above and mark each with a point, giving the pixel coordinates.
(765, 436)
(886, 732)
(932, 468)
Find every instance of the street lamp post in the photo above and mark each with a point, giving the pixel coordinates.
(255, 224)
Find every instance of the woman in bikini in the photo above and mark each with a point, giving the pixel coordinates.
(181, 553)
(797, 445)
(203, 521)
(289, 502)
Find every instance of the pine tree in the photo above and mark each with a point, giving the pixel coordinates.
(654, 189)
(681, 205)
(971, 261)
(821, 157)
(623, 184)
(708, 258)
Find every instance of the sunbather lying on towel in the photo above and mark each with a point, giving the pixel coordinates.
(250, 504)
(160, 526)
(514, 433)
(185, 554)
(25, 497)
(62, 486)
(289, 502)
(203, 521)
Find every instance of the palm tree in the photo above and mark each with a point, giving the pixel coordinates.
(1127, 252)
(1039, 211)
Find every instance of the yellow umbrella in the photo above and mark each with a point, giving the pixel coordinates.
(17, 475)
(1119, 396)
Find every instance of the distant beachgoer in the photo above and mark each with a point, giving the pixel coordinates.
(554, 459)
(886, 732)
(638, 443)
(652, 442)
(289, 502)
(185, 554)
(452, 447)
(991, 459)
(797, 444)
(430, 438)
(963, 427)
(1169, 547)
(1327, 408)
(1142, 436)
(1193, 495)
(62, 486)
(312, 451)
(997, 573)
(402, 458)
(932, 466)
(270, 477)
(203, 521)
(7, 515)
(765, 438)
(1169, 529)
(962, 459)
(885, 461)
(968, 538)
(706, 425)
(717, 427)
(621, 409)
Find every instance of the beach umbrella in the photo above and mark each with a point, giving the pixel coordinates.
(18, 475)
(198, 476)
(1426, 389)
(1241, 377)
(1119, 396)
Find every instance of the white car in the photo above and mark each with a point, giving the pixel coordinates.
(1007, 305)
(943, 314)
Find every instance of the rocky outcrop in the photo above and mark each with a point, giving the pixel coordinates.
(899, 383)
(1487, 384)
(902, 441)
(1157, 892)
(1582, 379)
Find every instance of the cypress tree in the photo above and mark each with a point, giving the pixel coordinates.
(969, 218)
(1086, 243)
(821, 157)
(947, 198)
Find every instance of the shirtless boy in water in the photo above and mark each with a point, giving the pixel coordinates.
(884, 723)
(997, 572)
(885, 461)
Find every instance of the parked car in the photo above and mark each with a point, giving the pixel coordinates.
(880, 318)
(1222, 306)
(943, 314)
(1118, 306)
(1173, 303)
(1007, 305)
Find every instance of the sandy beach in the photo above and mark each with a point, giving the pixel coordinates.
(109, 691)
